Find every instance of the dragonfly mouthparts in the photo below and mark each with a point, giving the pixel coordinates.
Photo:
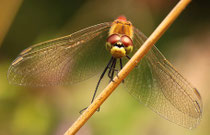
(119, 44)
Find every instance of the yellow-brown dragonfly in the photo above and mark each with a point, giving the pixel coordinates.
(79, 56)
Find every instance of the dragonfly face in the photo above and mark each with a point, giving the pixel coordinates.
(79, 56)
(119, 43)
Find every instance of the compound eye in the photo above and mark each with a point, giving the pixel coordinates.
(127, 41)
(114, 38)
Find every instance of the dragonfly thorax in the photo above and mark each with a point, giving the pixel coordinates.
(119, 45)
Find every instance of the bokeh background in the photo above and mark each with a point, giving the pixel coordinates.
(50, 111)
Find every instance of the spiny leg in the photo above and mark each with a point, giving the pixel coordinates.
(113, 69)
(128, 57)
(110, 68)
(121, 66)
(102, 75)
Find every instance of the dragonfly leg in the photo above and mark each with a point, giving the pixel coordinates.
(82, 110)
(121, 66)
(111, 69)
(128, 57)
(102, 75)
(86, 108)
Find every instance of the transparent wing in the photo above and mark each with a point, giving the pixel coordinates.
(159, 86)
(64, 60)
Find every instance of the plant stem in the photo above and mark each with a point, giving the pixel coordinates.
(128, 67)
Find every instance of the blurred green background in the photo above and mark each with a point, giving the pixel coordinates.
(50, 111)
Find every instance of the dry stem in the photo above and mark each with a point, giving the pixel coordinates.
(128, 67)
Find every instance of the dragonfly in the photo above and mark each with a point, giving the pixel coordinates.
(107, 47)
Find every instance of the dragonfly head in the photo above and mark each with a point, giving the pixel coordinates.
(119, 45)
(122, 18)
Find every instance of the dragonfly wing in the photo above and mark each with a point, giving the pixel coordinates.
(159, 86)
(63, 60)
